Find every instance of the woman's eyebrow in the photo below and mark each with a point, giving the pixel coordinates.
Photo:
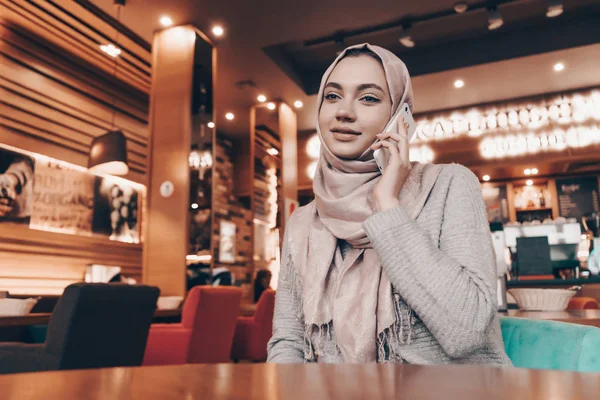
(334, 85)
(365, 86)
(360, 87)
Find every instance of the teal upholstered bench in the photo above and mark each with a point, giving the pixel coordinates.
(541, 344)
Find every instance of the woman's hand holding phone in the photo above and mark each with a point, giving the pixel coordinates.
(397, 167)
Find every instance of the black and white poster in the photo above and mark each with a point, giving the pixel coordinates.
(115, 210)
(16, 186)
(63, 199)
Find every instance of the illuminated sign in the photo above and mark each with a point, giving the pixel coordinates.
(520, 118)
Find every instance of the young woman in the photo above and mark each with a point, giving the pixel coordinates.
(392, 267)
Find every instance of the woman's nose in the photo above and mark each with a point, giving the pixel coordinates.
(345, 113)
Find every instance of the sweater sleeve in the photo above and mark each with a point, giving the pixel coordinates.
(287, 343)
(449, 283)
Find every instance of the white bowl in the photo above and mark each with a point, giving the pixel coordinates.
(169, 302)
(542, 299)
(16, 307)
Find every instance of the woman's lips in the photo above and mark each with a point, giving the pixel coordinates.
(344, 134)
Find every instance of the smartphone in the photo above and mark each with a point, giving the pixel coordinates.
(403, 112)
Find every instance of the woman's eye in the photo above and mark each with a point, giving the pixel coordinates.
(370, 99)
(331, 96)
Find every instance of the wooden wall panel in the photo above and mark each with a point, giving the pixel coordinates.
(57, 93)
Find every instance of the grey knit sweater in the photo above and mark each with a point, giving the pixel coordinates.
(445, 288)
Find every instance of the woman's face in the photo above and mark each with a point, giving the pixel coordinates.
(356, 106)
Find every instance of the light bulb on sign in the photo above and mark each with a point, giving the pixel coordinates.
(486, 178)
(529, 182)
(229, 116)
(271, 106)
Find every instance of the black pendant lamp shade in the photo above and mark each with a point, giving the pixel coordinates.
(108, 154)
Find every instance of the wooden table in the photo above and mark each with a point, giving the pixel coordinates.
(44, 318)
(581, 317)
(303, 381)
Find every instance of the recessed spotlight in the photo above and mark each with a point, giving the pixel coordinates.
(271, 106)
(194, 206)
(527, 171)
(529, 182)
(229, 116)
(555, 8)
(486, 178)
(218, 30)
(111, 50)
(166, 21)
(211, 125)
(405, 38)
(298, 104)
(459, 83)
(495, 20)
(262, 98)
(559, 66)
(273, 151)
(534, 171)
(460, 7)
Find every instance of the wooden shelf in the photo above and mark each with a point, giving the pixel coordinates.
(533, 209)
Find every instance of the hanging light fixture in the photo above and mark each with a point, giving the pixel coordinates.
(108, 152)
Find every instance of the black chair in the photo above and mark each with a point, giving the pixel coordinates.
(94, 325)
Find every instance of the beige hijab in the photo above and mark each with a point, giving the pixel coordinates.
(353, 293)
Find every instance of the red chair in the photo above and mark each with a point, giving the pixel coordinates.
(205, 333)
(253, 333)
(583, 303)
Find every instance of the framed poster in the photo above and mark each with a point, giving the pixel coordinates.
(16, 186)
(227, 242)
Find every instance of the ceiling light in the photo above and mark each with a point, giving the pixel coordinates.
(529, 182)
(486, 178)
(229, 116)
(271, 106)
(218, 30)
(111, 50)
(298, 104)
(534, 171)
(527, 171)
(559, 66)
(273, 151)
(555, 8)
(262, 98)
(460, 7)
(194, 206)
(459, 83)
(166, 21)
(494, 19)
(405, 38)
(211, 125)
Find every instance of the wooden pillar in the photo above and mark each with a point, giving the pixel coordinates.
(166, 230)
(288, 131)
